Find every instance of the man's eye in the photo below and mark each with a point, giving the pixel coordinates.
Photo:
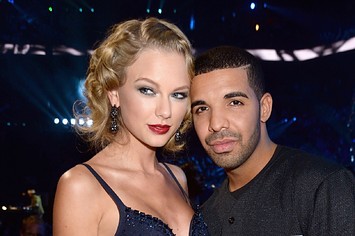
(180, 95)
(236, 103)
(146, 91)
(199, 110)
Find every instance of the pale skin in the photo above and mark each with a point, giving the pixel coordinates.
(156, 92)
(231, 123)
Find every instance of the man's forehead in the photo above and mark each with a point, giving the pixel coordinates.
(220, 80)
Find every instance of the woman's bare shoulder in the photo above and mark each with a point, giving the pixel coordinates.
(77, 189)
(77, 180)
(179, 174)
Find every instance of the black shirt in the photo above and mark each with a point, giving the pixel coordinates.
(295, 194)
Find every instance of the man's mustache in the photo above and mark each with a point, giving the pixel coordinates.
(221, 135)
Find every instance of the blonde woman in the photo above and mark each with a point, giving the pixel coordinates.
(137, 91)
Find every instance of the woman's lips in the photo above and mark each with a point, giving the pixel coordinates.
(159, 129)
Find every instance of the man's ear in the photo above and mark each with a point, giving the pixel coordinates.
(265, 107)
(114, 97)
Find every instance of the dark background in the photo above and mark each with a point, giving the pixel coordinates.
(34, 89)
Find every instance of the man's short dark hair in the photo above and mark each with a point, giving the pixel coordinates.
(224, 57)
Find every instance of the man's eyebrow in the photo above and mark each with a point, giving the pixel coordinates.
(197, 103)
(228, 95)
(235, 94)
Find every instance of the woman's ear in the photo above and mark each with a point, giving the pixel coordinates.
(114, 98)
(265, 107)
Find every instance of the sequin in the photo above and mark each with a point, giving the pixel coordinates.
(146, 223)
(198, 226)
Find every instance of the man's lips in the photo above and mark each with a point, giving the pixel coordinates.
(221, 146)
(159, 129)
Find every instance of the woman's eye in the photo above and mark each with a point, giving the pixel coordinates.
(180, 95)
(146, 91)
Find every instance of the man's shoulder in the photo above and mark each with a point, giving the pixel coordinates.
(307, 163)
(307, 169)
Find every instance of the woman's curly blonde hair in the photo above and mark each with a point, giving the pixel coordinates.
(107, 71)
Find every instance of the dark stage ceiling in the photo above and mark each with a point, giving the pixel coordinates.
(291, 24)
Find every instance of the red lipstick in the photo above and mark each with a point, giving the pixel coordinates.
(159, 129)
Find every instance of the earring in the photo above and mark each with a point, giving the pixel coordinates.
(178, 136)
(114, 114)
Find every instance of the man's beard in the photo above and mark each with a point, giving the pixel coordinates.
(232, 160)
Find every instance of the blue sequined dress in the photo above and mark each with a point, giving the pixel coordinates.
(133, 222)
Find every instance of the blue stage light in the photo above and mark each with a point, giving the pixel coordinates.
(192, 23)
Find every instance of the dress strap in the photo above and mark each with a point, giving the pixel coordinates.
(107, 188)
(177, 182)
